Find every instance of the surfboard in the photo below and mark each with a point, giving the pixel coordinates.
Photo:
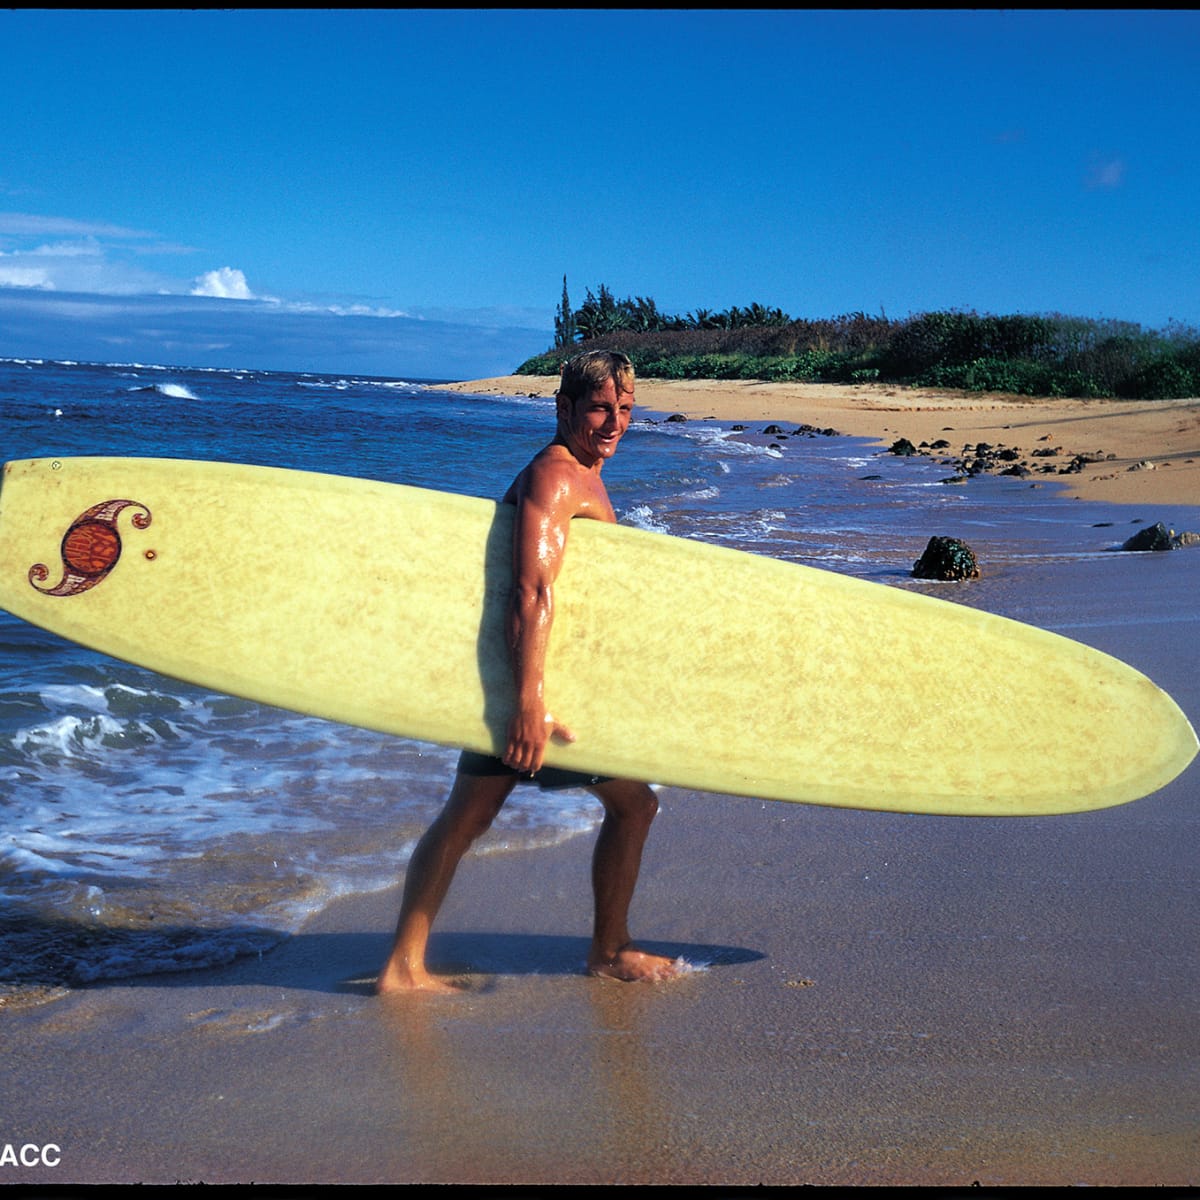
(673, 661)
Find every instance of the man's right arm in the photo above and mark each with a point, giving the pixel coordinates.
(544, 510)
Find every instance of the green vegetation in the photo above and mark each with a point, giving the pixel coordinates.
(1050, 355)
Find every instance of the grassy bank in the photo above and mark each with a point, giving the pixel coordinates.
(1024, 355)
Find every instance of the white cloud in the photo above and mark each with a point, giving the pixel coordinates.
(75, 267)
(18, 224)
(99, 258)
(68, 255)
(1106, 173)
(225, 283)
(25, 277)
(206, 332)
(346, 310)
(88, 247)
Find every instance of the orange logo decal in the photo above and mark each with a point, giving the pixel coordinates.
(90, 549)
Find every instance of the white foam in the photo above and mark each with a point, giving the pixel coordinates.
(642, 517)
(175, 390)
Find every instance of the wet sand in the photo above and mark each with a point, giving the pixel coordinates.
(878, 999)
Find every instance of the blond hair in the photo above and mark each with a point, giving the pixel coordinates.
(586, 372)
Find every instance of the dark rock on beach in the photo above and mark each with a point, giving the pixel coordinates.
(948, 559)
(1159, 537)
(979, 458)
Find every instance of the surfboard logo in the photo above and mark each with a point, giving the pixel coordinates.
(90, 548)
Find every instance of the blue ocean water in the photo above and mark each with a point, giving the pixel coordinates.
(149, 825)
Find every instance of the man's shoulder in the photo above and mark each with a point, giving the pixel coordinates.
(555, 480)
(548, 472)
(556, 466)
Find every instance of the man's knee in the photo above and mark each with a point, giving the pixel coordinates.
(627, 800)
(475, 802)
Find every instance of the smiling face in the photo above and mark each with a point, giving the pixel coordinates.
(592, 427)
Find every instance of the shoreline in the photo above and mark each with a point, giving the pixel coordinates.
(1147, 451)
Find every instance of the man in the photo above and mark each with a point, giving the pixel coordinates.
(594, 406)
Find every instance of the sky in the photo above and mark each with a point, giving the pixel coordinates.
(401, 192)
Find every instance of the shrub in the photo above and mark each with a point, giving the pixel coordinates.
(1051, 355)
(1164, 378)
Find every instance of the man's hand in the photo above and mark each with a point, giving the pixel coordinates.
(528, 735)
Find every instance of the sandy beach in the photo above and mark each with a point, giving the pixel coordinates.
(874, 999)
(1145, 451)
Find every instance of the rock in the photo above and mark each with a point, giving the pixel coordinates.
(1080, 461)
(1159, 537)
(1144, 465)
(903, 447)
(946, 558)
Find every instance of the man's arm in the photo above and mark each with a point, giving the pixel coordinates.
(545, 506)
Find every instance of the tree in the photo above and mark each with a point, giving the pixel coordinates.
(565, 331)
(599, 315)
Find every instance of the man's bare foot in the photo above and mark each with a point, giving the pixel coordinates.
(397, 980)
(631, 965)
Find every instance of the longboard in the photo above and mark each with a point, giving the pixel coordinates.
(673, 661)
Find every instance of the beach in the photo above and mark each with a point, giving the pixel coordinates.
(869, 999)
(1144, 450)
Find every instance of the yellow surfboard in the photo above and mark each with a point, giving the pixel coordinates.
(672, 661)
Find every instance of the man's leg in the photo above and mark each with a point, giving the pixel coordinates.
(472, 806)
(629, 810)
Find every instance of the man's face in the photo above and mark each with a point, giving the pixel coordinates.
(595, 425)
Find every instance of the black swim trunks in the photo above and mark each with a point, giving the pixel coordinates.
(549, 779)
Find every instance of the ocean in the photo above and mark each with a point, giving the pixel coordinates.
(149, 825)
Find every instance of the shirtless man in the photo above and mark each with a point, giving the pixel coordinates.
(594, 405)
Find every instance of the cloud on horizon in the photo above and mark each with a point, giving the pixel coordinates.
(206, 331)
(72, 289)
(225, 283)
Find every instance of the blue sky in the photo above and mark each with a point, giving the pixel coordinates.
(401, 192)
